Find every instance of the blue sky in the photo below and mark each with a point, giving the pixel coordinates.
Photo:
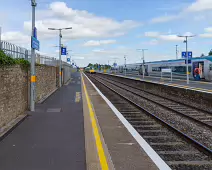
(106, 30)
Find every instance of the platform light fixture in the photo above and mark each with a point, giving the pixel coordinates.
(186, 41)
(60, 64)
(125, 65)
(143, 68)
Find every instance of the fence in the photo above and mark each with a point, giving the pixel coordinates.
(19, 52)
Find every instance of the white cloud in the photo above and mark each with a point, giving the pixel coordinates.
(170, 38)
(166, 37)
(84, 24)
(151, 34)
(165, 18)
(200, 5)
(197, 6)
(17, 38)
(208, 29)
(151, 42)
(98, 43)
(206, 35)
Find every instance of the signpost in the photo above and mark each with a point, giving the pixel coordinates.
(34, 46)
(189, 57)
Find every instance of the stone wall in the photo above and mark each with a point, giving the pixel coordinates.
(15, 88)
(46, 81)
(13, 93)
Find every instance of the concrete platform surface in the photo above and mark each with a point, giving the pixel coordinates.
(52, 137)
(123, 150)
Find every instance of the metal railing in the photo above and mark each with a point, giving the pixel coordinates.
(15, 51)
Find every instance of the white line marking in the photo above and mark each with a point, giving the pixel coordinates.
(147, 148)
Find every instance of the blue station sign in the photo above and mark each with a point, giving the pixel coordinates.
(189, 54)
(63, 51)
(35, 44)
(68, 59)
(35, 33)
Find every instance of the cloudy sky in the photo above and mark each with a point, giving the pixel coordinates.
(106, 30)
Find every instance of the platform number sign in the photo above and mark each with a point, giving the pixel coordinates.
(189, 54)
(63, 51)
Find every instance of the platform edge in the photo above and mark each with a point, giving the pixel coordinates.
(143, 144)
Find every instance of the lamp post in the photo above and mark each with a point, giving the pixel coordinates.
(60, 62)
(176, 52)
(186, 41)
(143, 68)
(32, 65)
(125, 64)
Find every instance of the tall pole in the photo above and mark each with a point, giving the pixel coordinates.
(60, 67)
(32, 66)
(125, 65)
(176, 52)
(143, 68)
(187, 60)
(186, 41)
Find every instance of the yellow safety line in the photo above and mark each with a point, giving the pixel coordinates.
(174, 84)
(185, 87)
(101, 154)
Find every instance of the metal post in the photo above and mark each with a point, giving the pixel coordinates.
(60, 67)
(187, 60)
(176, 52)
(143, 63)
(171, 75)
(32, 68)
(186, 41)
(125, 65)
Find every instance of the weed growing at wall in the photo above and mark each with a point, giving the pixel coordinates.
(6, 60)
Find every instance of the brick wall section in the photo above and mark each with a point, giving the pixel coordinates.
(13, 93)
(46, 81)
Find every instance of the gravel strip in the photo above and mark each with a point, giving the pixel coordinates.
(189, 127)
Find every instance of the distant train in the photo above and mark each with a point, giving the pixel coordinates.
(90, 70)
(178, 67)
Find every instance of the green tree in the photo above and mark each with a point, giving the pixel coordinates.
(90, 65)
(210, 53)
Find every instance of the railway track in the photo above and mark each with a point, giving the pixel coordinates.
(201, 116)
(177, 149)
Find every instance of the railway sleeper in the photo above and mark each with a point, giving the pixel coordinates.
(140, 122)
(152, 132)
(170, 146)
(190, 165)
(183, 156)
(161, 139)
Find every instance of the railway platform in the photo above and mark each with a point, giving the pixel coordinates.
(201, 86)
(76, 128)
(52, 137)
